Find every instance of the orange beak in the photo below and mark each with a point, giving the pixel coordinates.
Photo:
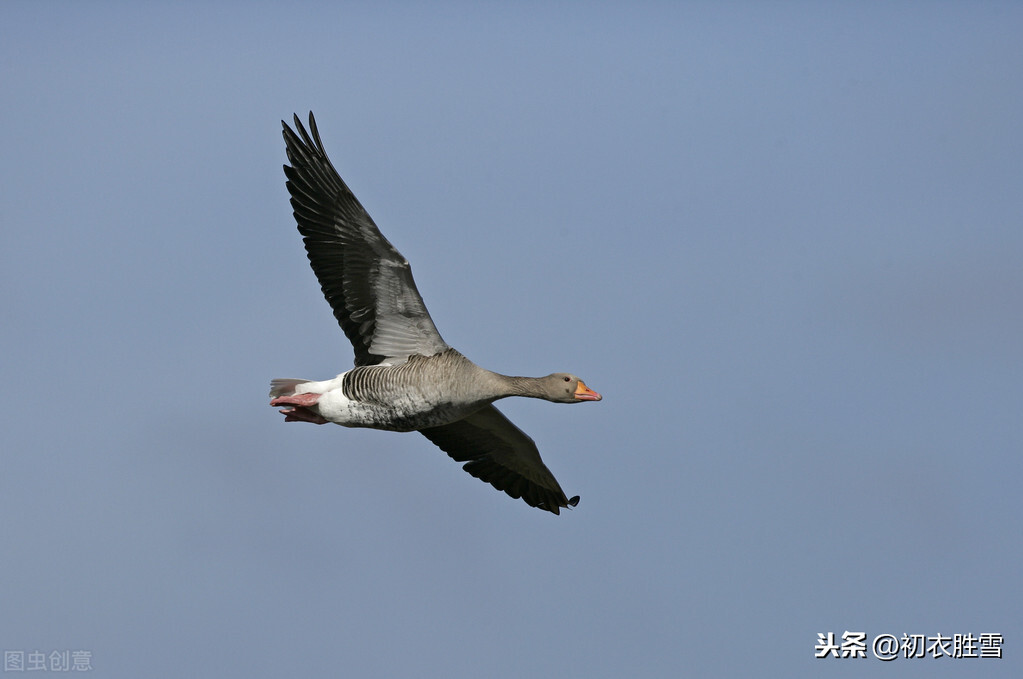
(584, 393)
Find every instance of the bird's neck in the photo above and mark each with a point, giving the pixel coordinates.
(530, 387)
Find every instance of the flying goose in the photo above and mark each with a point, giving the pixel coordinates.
(406, 378)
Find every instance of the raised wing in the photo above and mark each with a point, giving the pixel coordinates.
(498, 452)
(366, 281)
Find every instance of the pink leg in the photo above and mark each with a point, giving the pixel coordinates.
(301, 413)
(305, 400)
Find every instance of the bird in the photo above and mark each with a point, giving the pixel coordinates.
(405, 377)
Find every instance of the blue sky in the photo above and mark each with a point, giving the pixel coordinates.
(782, 241)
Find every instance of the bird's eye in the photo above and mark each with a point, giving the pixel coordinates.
(568, 379)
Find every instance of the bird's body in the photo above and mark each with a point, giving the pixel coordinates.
(406, 378)
(407, 397)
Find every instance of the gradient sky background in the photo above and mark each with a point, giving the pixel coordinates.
(784, 242)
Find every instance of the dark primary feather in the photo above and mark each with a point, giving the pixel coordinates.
(366, 281)
(498, 452)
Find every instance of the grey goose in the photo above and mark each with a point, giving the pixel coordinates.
(406, 378)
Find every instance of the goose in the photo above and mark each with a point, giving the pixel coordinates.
(406, 378)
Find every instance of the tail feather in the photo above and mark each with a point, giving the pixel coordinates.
(284, 386)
